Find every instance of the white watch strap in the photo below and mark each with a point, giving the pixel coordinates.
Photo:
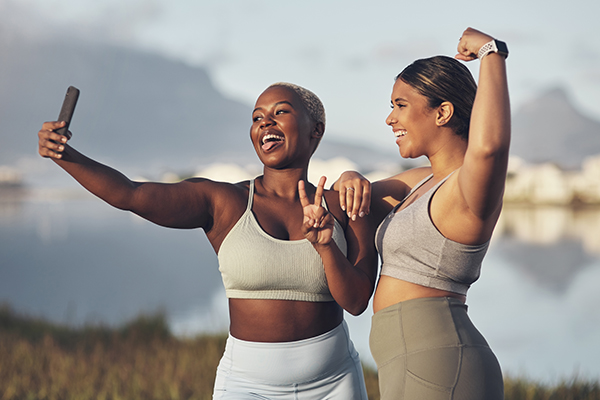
(489, 47)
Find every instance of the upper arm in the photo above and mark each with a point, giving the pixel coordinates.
(186, 204)
(360, 238)
(482, 176)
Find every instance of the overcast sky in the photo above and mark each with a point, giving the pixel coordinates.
(346, 51)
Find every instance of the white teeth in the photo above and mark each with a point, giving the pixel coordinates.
(400, 133)
(271, 136)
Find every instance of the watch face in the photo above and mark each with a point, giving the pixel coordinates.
(502, 48)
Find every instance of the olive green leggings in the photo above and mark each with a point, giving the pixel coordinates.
(428, 349)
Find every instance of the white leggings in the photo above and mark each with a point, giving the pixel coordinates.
(323, 367)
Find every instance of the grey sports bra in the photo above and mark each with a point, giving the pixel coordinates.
(255, 265)
(413, 250)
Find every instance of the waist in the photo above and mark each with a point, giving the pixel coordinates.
(281, 320)
(392, 291)
(288, 362)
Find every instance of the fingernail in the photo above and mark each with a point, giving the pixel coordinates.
(343, 208)
(362, 214)
(354, 217)
(63, 139)
(61, 148)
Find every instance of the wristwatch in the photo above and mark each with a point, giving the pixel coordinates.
(493, 46)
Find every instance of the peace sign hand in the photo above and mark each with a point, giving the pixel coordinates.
(318, 223)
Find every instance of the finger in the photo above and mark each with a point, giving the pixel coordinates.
(342, 196)
(326, 220)
(465, 58)
(319, 191)
(302, 194)
(53, 125)
(47, 132)
(365, 206)
(357, 203)
(52, 150)
(320, 217)
(49, 153)
(350, 196)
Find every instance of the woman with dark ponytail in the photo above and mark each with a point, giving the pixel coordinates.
(435, 224)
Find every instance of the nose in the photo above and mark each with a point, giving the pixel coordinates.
(267, 121)
(390, 120)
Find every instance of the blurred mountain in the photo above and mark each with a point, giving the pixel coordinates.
(550, 129)
(134, 107)
(135, 110)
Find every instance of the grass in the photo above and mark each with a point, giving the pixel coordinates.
(143, 360)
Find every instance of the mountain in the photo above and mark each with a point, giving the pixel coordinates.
(133, 106)
(550, 129)
(136, 109)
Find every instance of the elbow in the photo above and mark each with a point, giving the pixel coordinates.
(358, 305)
(356, 311)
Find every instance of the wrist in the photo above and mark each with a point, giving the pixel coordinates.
(493, 46)
(322, 246)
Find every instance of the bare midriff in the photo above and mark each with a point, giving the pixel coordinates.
(392, 291)
(281, 320)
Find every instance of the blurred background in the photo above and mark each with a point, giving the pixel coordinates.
(167, 89)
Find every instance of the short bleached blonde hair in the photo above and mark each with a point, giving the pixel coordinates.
(311, 101)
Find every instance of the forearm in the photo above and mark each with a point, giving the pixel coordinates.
(106, 183)
(349, 285)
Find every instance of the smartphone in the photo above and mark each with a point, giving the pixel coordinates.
(67, 109)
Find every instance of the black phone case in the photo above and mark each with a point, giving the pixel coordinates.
(67, 109)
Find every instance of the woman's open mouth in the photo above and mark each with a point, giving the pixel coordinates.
(271, 140)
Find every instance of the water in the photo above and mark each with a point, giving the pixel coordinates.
(76, 260)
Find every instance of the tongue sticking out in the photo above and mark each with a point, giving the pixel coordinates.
(271, 143)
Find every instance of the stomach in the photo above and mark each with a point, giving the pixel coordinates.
(281, 320)
(392, 291)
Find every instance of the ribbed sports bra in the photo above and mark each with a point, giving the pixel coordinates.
(413, 250)
(255, 265)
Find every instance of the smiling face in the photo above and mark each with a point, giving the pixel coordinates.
(282, 132)
(412, 120)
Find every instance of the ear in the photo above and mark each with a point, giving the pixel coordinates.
(445, 111)
(318, 131)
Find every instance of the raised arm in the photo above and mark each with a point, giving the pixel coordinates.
(351, 278)
(181, 205)
(482, 176)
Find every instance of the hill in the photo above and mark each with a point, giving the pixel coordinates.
(550, 129)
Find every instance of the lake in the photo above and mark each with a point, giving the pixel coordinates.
(70, 258)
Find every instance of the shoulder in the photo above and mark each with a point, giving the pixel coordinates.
(408, 178)
(387, 193)
(224, 201)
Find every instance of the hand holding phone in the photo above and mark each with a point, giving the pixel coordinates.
(67, 109)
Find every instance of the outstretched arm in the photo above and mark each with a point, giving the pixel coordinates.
(351, 279)
(180, 205)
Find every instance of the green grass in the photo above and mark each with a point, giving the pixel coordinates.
(143, 360)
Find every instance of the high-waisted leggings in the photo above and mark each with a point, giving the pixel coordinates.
(429, 349)
(323, 367)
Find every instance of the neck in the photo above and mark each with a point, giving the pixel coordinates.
(284, 182)
(448, 158)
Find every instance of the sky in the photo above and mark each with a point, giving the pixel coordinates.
(346, 51)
